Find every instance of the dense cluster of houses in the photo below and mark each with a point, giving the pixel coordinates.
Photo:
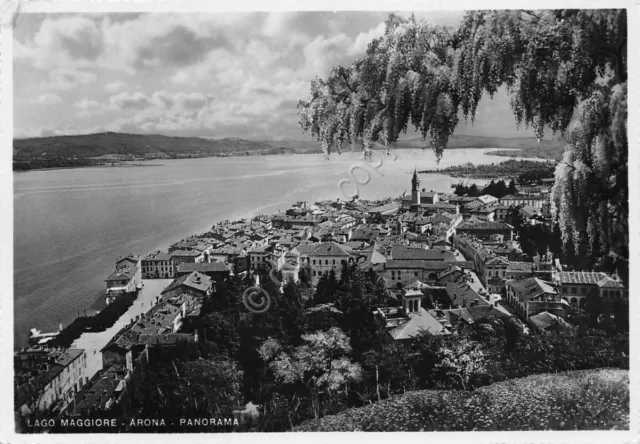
(47, 378)
(449, 260)
(125, 359)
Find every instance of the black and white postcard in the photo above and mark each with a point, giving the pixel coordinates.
(319, 217)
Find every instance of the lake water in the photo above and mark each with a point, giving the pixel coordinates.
(70, 225)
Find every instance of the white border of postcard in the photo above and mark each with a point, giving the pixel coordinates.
(8, 10)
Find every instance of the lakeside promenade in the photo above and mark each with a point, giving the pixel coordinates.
(92, 343)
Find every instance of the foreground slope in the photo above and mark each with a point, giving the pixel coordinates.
(580, 400)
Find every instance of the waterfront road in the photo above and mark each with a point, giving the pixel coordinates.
(92, 343)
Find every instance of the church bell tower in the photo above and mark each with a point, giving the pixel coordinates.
(415, 188)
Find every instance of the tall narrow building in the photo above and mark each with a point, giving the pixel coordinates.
(415, 188)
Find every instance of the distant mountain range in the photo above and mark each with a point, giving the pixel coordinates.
(102, 145)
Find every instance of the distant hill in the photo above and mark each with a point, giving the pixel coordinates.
(108, 144)
(139, 145)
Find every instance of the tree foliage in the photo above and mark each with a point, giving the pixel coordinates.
(551, 63)
(321, 365)
(591, 188)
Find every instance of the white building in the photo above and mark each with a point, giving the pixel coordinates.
(48, 378)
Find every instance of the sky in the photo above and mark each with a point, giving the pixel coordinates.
(210, 75)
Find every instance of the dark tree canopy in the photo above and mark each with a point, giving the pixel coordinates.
(565, 70)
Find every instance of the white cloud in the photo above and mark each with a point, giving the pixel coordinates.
(364, 38)
(88, 107)
(63, 41)
(66, 79)
(192, 74)
(160, 100)
(136, 100)
(114, 86)
(49, 99)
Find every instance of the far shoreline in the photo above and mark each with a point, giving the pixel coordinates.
(512, 153)
(90, 166)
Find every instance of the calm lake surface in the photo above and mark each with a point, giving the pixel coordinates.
(71, 225)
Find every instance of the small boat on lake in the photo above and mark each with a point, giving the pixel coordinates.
(40, 338)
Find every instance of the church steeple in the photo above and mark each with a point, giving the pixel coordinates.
(415, 188)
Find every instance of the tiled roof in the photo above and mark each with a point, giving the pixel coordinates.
(484, 226)
(532, 288)
(122, 273)
(418, 264)
(384, 208)
(436, 206)
(195, 280)
(124, 340)
(185, 253)
(157, 256)
(497, 260)
(487, 198)
(609, 283)
(441, 218)
(462, 294)
(485, 210)
(451, 269)
(307, 248)
(586, 278)
(482, 311)
(438, 254)
(129, 258)
(165, 339)
(546, 320)
(510, 197)
(462, 199)
(204, 267)
(329, 249)
(452, 316)
(520, 266)
(416, 323)
(474, 205)
(100, 389)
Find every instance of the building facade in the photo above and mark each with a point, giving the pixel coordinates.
(48, 379)
(576, 286)
(326, 257)
(531, 296)
(158, 265)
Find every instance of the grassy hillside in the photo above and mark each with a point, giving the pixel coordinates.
(580, 400)
(104, 144)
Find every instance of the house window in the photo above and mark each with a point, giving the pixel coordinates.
(334, 262)
(415, 273)
(314, 262)
(583, 290)
(573, 290)
(326, 261)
